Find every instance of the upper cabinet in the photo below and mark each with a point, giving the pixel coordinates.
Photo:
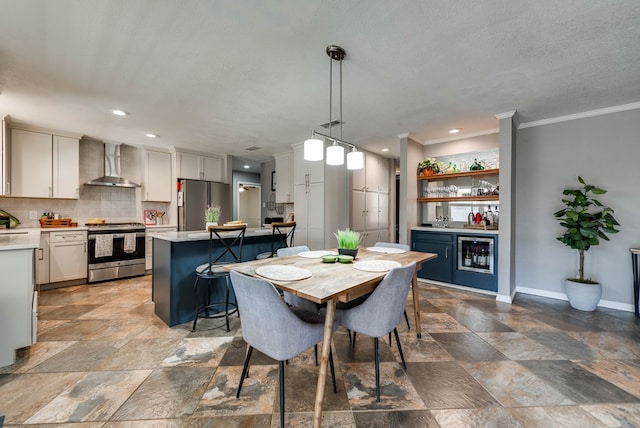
(374, 177)
(43, 165)
(200, 167)
(284, 180)
(157, 176)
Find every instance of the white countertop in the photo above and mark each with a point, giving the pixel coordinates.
(19, 239)
(60, 229)
(199, 235)
(457, 230)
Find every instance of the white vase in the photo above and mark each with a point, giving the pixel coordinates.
(211, 223)
(584, 297)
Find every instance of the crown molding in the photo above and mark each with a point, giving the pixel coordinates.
(583, 115)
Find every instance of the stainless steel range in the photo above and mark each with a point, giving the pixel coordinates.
(116, 250)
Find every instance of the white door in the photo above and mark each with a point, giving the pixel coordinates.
(358, 210)
(188, 166)
(66, 167)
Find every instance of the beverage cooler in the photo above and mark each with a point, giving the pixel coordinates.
(475, 254)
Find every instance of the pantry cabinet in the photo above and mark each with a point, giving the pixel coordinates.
(200, 167)
(284, 178)
(44, 165)
(157, 177)
(68, 255)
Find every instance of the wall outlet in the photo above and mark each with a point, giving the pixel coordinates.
(33, 215)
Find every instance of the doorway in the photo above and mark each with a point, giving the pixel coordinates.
(249, 203)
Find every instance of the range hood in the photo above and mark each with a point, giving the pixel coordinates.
(111, 169)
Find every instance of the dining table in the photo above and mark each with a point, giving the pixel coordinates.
(306, 275)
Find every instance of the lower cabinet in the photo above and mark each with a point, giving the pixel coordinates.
(440, 268)
(67, 256)
(148, 245)
(42, 260)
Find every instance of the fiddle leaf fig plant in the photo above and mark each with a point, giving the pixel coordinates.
(586, 220)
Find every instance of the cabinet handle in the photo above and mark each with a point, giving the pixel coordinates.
(77, 192)
(446, 253)
(85, 247)
(41, 256)
(7, 188)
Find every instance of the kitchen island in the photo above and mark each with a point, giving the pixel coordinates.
(18, 299)
(175, 258)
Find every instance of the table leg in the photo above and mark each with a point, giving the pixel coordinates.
(324, 361)
(416, 304)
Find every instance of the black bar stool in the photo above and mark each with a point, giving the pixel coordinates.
(279, 228)
(230, 239)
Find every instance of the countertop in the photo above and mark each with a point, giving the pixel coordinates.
(60, 229)
(457, 230)
(19, 239)
(199, 235)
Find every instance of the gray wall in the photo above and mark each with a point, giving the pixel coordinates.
(605, 151)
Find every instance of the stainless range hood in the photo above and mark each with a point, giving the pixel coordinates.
(111, 169)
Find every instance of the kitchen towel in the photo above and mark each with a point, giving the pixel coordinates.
(129, 242)
(104, 245)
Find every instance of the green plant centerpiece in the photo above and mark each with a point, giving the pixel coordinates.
(212, 214)
(348, 241)
(429, 166)
(586, 220)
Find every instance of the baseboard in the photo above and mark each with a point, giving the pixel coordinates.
(458, 287)
(561, 296)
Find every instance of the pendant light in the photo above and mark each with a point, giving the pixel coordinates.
(314, 147)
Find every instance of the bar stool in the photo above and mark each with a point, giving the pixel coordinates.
(279, 229)
(230, 239)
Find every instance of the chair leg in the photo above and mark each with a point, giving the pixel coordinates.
(406, 318)
(333, 372)
(245, 369)
(377, 359)
(226, 303)
(315, 351)
(354, 340)
(389, 338)
(281, 364)
(195, 293)
(395, 332)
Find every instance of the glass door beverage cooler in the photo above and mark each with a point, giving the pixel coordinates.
(476, 254)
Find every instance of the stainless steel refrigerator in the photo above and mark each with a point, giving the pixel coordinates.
(194, 196)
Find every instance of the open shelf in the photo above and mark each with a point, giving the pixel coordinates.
(439, 177)
(461, 198)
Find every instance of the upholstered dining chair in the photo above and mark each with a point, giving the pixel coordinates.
(272, 328)
(404, 247)
(287, 229)
(230, 239)
(381, 312)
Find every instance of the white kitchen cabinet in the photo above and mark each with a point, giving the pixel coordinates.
(200, 167)
(44, 165)
(157, 178)
(42, 259)
(374, 177)
(148, 245)
(370, 200)
(319, 202)
(5, 159)
(284, 178)
(68, 255)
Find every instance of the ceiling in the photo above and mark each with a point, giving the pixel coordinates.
(223, 76)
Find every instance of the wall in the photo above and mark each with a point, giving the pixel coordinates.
(241, 177)
(115, 204)
(604, 150)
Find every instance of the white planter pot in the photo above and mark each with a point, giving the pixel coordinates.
(211, 223)
(584, 297)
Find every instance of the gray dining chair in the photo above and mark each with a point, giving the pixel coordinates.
(401, 247)
(292, 299)
(272, 328)
(381, 312)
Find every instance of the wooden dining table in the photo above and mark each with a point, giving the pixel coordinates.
(330, 283)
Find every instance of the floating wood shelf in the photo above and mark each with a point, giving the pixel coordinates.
(440, 177)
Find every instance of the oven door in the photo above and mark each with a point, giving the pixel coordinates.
(118, 253)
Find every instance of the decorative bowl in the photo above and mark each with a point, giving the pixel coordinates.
(345, 258)
(329, 259)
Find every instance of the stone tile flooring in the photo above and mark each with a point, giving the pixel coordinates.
(103, 359)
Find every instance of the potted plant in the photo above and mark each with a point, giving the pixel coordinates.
(211, 215)
(348, 242)
(429, 166)
(586, 220)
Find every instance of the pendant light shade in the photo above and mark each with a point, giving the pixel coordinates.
(335, 155)
(355, 159)
(313, 149)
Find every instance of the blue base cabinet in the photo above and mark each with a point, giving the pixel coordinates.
(440, 268)
(444, 268)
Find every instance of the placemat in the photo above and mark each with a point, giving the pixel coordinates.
(376, 265)
(317, 254)
(387, 250)
(283, 272)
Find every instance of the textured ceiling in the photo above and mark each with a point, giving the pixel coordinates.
(221, 76)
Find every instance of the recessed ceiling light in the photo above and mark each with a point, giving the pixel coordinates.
(455, 130)
(386, 149)
(247, 167)
(150, 135)
(119, 112)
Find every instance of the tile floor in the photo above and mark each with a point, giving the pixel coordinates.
(104, 360)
